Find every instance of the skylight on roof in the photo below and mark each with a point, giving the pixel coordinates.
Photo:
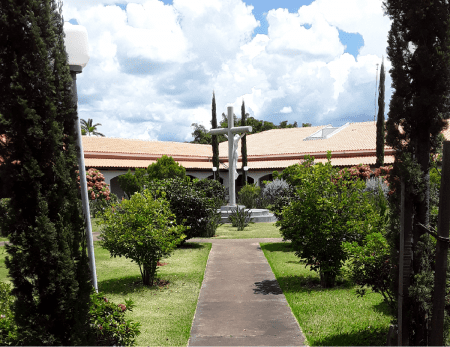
(325, 133)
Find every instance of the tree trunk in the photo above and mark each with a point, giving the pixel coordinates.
(327, 279)
(148, 274)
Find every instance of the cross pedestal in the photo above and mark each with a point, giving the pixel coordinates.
(230, 131)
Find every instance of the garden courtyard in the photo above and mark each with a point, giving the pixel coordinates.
(332, 316)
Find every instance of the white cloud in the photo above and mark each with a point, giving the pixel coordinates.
(286, 109)
(153, 67)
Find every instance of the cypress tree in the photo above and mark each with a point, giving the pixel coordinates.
(47, 259)
(380, 119)
(244, 143)
(215, 141)
(420, 78)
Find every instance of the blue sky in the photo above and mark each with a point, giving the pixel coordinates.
(154, 64)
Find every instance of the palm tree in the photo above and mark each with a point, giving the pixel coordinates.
(88, 128)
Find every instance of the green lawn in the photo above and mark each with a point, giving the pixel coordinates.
(327, 316)
(165, 313)
(333, 317)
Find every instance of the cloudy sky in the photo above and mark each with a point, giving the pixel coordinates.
(155, 63)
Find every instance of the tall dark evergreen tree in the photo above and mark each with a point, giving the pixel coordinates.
(380, 119)
(244, 143)
(47, 259)
(418, 111)
(215, 141)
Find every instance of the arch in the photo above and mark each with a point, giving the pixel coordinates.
(250, 180)
(114, 188)
(191, 177)
(268, 177)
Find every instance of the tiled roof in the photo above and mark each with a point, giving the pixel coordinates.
(355, 137)
(126, 163)
(272, 149)
(117, 145)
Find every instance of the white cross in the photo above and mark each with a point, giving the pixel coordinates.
(232, 150)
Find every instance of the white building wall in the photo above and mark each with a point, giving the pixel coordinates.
(257, 176)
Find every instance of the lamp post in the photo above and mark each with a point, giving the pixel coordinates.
(245, 169)
(214, 172)
(77, 48)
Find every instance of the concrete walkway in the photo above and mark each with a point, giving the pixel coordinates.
(240, 301)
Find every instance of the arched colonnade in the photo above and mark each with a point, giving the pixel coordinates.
(111, 178)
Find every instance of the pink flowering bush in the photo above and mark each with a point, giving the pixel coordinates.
(98, 191)
(108, 322)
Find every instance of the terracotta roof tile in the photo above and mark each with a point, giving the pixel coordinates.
(277, 148)
(124, 163)
(117, 145)
(356, 136)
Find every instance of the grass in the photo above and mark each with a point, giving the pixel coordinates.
(252, 231)
(165, 312)
(333, 316)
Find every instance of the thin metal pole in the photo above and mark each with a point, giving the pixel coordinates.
(437, 320)
(83, 183)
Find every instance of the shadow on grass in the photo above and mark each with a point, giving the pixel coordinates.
(383, 308)
(128, 284)
(368, 337)
(278, 247)
(190, 245)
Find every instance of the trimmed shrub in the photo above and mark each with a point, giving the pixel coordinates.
(212, 190)
(248, 195)
(108, 323)
(165, 167)
(191, 207)
(370, 265)
(284, 199)
(132, 183)
(323, 216)
(144, 231)
(274, 189)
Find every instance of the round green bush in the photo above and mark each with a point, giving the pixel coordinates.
(324, 214)
(192, 207)
(248, 195)
(142, 229)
